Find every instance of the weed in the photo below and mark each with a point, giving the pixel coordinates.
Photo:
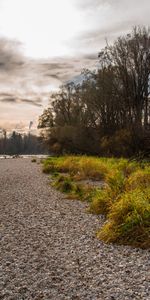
(33, 160)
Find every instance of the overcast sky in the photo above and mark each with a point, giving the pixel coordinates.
(43, 43)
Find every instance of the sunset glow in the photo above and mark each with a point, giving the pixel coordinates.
(44, 27)
(46, 43)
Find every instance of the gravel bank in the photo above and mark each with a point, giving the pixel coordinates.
(49, 249)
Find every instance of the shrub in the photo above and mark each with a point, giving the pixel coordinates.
(56, 148)
(119, 144)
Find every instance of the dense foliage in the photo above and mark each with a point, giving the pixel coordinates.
(109, 112)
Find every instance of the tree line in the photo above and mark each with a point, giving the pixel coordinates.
(16, 144)
(108, 113)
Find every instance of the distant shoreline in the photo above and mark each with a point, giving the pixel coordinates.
(24, 156)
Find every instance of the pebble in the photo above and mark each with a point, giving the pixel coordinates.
(49, 248)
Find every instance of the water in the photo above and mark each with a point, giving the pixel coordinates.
(24, 156)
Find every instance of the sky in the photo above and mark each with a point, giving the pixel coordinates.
(44, 43)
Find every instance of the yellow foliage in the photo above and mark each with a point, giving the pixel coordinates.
(139, 179)
(129, 220)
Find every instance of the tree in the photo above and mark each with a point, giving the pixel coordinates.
(130, 57)
(111, 103)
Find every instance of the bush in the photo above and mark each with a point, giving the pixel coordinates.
(120, 144)
(56, 148)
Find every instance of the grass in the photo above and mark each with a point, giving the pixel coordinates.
(74, 190)
(139, 179)
(33, 160)
(129, 220)
(124, 199)
(101, 202)
(81, 166)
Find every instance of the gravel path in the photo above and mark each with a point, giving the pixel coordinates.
(49, 249)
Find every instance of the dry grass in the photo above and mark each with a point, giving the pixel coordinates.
(139, 179)
(80, 166)
(129, 220)
(124, 199)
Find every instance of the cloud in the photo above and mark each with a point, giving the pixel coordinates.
(10, 57)
(26, 75)
(26, 83)
(31, 102)
(17, 99)
(108, 19)
(88, 4)
(94, 4)
(8, 100)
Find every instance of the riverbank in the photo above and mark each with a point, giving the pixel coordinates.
(119, 189)
(49, 249)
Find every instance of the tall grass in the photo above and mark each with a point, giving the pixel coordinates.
(81, 166)
(124, 198)
(129, 220)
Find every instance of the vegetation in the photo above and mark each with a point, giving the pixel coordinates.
(129, 219)
(16, 144)
(108, 114)
(123, 194)
(33, 160)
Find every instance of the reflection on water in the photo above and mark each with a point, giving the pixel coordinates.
(23, 156)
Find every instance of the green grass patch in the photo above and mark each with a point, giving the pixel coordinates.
(74, 190)
(101, 202)
(129, 220)
(124, 199)
(139, 179)
(80, 166)
(64, 184)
